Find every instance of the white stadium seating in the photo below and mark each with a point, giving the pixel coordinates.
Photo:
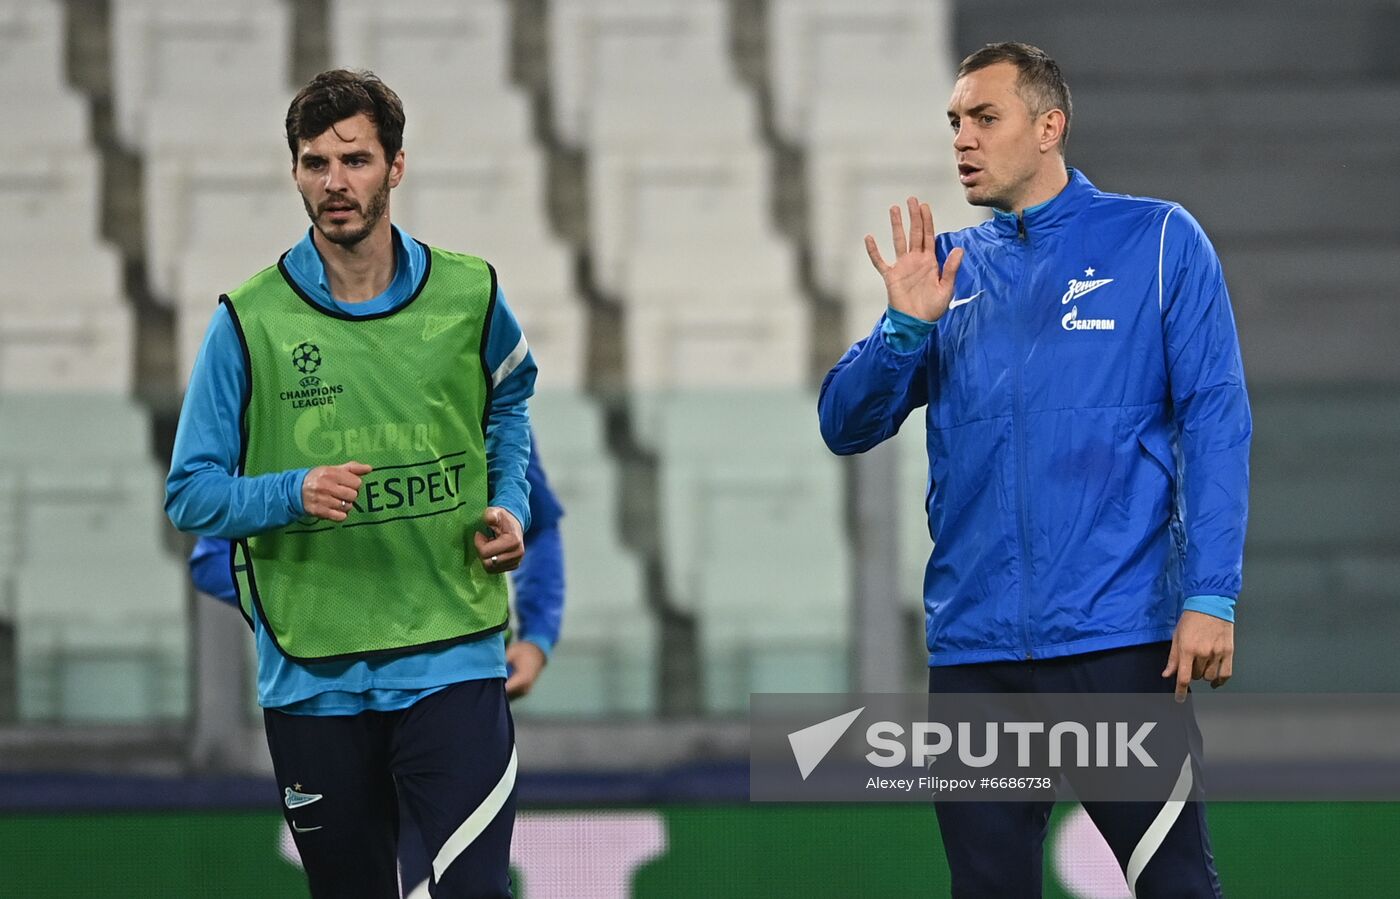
(641, 201)
(31, 47)
(424, 46)
(606, 662)
(173, 51)
(494, 207)
(614, 51)
(891, 55)
(64, 322)
(754, 542)
(448, 62)
(96, 601)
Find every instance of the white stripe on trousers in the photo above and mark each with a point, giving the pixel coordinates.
(1156, 832)
(476, 822)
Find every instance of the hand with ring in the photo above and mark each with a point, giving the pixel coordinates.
(329, 491)
(503, 549)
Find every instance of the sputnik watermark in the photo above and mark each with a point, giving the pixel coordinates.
(931, 739)
(1118, 746)
(889, 747)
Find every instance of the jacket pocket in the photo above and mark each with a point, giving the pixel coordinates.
(1161, 455)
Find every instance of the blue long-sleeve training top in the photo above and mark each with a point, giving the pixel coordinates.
(206, 494)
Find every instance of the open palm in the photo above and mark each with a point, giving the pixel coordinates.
(915, 284)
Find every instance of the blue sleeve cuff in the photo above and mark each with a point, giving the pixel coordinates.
(904, 333)
(297, 497)
(515, 504)
(544, 643)
(1222, 607)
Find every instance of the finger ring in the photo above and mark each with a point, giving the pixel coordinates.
(494, 559)
(343, 507)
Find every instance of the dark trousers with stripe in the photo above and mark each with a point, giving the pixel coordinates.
(994, 849)
(450, 757)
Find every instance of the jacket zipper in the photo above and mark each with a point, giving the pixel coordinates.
(1020, 429)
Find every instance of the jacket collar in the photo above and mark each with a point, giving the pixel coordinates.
(308, 270)
(1051, 215)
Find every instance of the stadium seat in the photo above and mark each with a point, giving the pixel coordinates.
(54, 124)
(171, 51)
(81, 347)
(64, 432)
(64, 322)
(731, 318)
(43, 114)
(754, 543)
(97, 602)
(892, 55)
(702, 118)
(200, 279)
(32, 48)
(568, 422)
(449, 63)
(1101, 43)
(1272, 288)
(234, 196)
(1112, 113)
(114, 513)
(642, 202)
(675, 342)
(608, 51)
(492, 207)
(1298, 504)
(50, 198)
(427, 47)
(102, 641)
(605, 663)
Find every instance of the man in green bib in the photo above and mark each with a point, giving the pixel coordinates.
(356, 424)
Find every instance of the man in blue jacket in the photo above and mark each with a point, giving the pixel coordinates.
(356, 422)
(1088, 444)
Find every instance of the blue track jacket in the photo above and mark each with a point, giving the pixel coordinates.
(1088, 429)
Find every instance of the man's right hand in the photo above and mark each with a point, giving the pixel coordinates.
(329, 491)
(914, 283)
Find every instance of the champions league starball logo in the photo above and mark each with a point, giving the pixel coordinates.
(306, 358)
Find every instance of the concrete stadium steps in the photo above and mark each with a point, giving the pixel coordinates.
(1119, 40)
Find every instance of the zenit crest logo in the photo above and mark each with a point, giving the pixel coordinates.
(306, 357)
(1078, 288)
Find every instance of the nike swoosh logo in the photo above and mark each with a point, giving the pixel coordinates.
(294, 799)
(963, 301)
(299, 829)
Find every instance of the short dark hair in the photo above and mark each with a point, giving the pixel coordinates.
(1039, 81)
(338, 94)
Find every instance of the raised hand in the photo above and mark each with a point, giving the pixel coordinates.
(915, 284)
(329, 491)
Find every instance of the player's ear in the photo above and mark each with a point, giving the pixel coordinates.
(396, 169)
(1051, 127)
